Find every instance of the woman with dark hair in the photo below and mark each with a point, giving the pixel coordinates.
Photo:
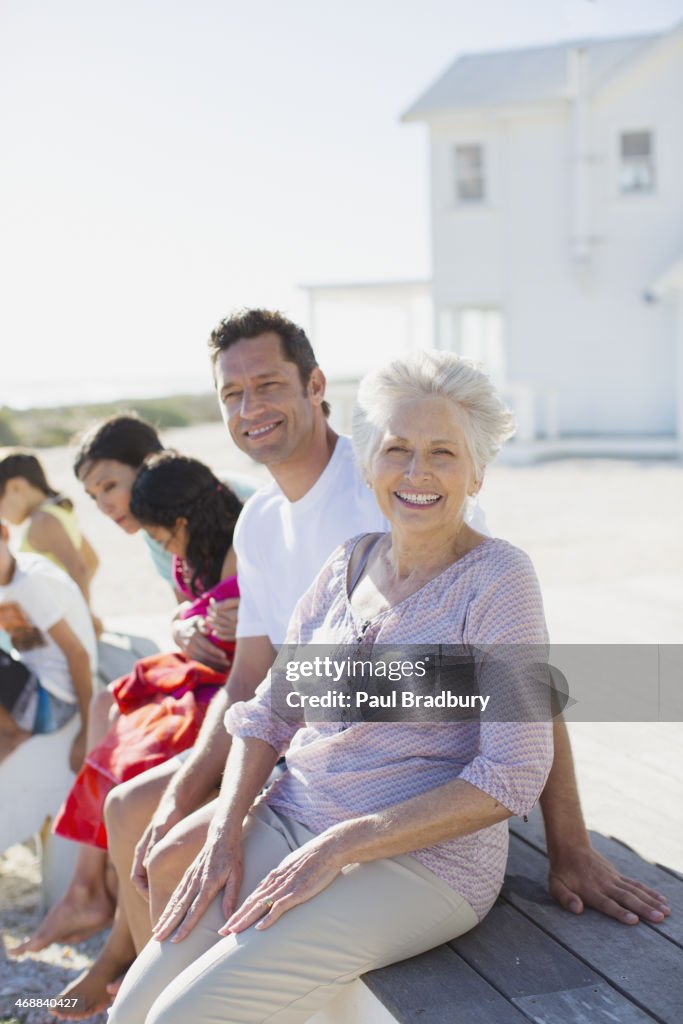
(124, 438)
(51, 526)
(107, 460)
(156, 710)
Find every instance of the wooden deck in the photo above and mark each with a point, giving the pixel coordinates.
(530, 960)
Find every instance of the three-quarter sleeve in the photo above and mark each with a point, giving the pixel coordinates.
(513, 763)
(507, 627)
(255, 718)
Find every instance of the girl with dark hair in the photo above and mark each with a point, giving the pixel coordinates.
(52, 529)
(190, 513)
(156, 711)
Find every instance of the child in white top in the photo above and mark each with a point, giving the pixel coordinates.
(48, 621)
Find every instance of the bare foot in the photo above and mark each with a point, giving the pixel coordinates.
(92, 990)
(91, 994)
(79, 914)
(95, 988)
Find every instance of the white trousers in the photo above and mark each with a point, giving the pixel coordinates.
(371, 915)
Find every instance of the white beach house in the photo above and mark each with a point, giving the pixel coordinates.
(557, 233)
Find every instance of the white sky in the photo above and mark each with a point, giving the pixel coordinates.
(168, 160)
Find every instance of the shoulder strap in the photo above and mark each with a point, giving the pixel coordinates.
(363, 561)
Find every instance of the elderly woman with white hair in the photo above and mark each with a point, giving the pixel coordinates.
(381, 839)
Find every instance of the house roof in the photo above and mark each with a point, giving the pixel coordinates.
(515, 77)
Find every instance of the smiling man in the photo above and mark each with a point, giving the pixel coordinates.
(271, 392)
(270, 389)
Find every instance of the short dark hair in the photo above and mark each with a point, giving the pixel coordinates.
(26, 465)
(250, 323)
(125, 438)
(168, 486)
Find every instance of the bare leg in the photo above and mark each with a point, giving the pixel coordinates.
(92, 988)
(87, 905)
(11, 736)
(85, 908)
(127, 813)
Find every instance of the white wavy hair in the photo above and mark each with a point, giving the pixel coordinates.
(488, 423)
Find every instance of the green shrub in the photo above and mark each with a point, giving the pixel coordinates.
(47, 427)
(8, 434)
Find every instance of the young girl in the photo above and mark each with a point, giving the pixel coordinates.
(191, 514)
(52, 529)
(49, 625)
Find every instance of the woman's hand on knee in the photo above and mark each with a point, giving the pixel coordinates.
(298, 878)
(217, 866)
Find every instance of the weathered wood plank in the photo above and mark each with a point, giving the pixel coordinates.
(580, 1006)
(539, 975)
(641, 963)
(628, 863)
(438, 987)
(671, 871)
(669, 884)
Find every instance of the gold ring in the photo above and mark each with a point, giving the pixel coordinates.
(268, 903)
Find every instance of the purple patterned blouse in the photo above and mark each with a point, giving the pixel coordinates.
(490, 596)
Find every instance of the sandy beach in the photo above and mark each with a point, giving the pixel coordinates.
(605, 538)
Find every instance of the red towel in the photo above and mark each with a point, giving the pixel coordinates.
(162, 703)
